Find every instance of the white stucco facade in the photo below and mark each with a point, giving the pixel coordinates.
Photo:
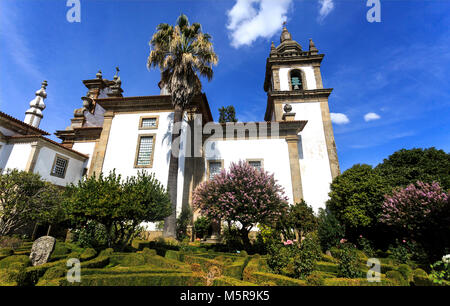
(272, 152)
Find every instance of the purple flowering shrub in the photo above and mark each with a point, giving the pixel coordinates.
(409, 208)
(243, 194)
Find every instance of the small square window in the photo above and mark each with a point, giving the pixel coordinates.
(59, 166)
(148, 123)
(214, 168)
(257, 163)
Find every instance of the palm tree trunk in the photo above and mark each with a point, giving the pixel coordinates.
(170, 223)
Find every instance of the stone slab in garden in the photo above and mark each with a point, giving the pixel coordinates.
(42, 249)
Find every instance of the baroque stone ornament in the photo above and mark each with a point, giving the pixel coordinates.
(41, 250)
(287, 108)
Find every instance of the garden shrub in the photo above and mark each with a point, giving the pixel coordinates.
(149, 252)
(13, 275)
(55, 272)
(140, 244)
(280, 280)
(142, 279)
(357, 282)
(176, 255)
(236, 269)
(106, 252)
(348, 266)
(315, 279)
(327, 258)
(326, 267)
(230, 281)
(279, 256)
(22, 260)
(406, 271)
(205, 263)
(34, 273)
(61, 249)
(307, 255)
(99, 262)
(6, 252)
(201, 227)
(330, 231)
(396, 276)
(10, 243)
(88, 254)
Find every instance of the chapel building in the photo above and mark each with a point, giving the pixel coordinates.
(294, 139)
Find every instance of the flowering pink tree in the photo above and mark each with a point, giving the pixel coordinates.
(243, 194)
(409, 208)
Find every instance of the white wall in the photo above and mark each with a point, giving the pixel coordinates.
(122, 143)
(274, 152)
(313, 155)
(17, 156)
(309, 73)
(44, 165)
(86, 148)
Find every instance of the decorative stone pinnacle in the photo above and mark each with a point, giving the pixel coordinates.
(312, 47)
(99, 75)
(34, 114)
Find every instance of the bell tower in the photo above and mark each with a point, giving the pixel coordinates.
(293, 79)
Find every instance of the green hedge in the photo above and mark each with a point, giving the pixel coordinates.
(264, 278)
(326, 267)
(153, 279)
(357, 282)
(23, 260)
(236, 269)
(397, 277)
(204, 263)
(230, 281)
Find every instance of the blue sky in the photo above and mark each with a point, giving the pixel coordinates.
(397, 69)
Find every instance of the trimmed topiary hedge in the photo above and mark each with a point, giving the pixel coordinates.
(357, 282)
(263, 278)
(141, 279)
(230, 281)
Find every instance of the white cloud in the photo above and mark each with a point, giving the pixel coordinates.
(339, 118)
(250, 19)
(371, 116)
(326, 6)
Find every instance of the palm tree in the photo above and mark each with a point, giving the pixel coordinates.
(182, 53)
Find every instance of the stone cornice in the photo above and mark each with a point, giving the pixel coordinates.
(281, 129)
(79, 134)
(152, 103)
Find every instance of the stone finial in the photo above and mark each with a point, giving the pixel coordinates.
(34, 114)
(288, 116)
(285, 35)
(99, 75)
(312, 47)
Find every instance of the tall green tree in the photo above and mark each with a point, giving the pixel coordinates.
(24, 198)
(406, 167)
(183, 53)
(227, 114)
(356, 200)
(119, 205)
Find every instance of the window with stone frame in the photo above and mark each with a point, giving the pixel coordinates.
(144, 154)
(148, 123)
(59, 167)
(296, 80)
(255, 163)
(214, 168)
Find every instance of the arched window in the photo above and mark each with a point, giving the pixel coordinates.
(296, 80)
